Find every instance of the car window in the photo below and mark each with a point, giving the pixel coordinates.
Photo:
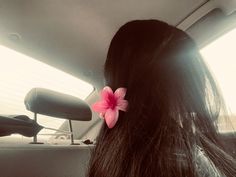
(19, 74)
(220, 55)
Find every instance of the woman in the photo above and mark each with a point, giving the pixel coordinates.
(168, 128)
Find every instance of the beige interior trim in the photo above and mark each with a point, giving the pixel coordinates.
(227, 6)
(197, 15)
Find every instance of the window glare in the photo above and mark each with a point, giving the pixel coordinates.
(20, 73)
(220, 56)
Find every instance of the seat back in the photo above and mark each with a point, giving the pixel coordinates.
(44, 161)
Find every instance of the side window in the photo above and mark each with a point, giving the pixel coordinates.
(220, 55)
(18, 75)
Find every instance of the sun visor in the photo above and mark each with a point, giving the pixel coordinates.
(227, 6)
(55, 104)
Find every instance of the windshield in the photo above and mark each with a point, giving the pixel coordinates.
(20, 73)
(220, 56)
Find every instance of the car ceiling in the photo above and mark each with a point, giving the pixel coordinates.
(74, 35)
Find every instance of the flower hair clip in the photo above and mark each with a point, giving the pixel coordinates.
(110, 104)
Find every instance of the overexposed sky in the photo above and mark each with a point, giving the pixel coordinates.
(220, 55)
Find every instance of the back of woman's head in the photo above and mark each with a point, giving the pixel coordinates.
(173, 106)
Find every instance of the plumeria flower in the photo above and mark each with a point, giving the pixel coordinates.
(110, 105)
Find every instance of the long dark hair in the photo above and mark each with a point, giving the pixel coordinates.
(174, 104)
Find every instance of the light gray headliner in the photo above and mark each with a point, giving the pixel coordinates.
(74, 35)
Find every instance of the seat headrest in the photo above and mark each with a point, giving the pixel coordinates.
(55, 104)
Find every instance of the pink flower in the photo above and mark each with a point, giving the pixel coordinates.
(110, 104)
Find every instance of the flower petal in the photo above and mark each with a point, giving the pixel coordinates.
(106, 91)
(100, 106)
(120, 93)
(122, 105)
(101, 115)
(111, 117)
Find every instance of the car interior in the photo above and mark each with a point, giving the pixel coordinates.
(52, 54)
